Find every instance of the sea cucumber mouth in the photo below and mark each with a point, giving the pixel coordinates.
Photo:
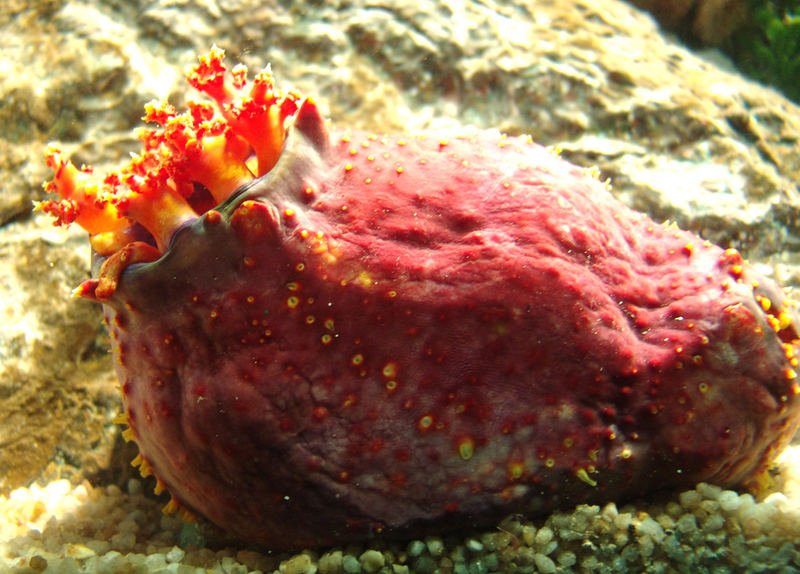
(192, 162)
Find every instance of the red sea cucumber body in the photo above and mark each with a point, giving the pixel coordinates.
(385, 335)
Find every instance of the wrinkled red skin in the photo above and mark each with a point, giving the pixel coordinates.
(387, 336)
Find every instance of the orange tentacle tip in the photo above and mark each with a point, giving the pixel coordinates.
(210, 148)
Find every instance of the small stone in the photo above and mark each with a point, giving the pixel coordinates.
(528, 534)
(477, 566)
(435, 546)
(474, 545)
(372, 561)
(99, 546)
(416, 548)
(134, 487)
(729, 501)
(492, 562)
(400, 569)
(566, 559)
(350, 564)
(331, 562)
(230, 566)
(298, 564)
(175, 554)
(710, 491)
(37, 563)
(78, 551)
(123, 541)
(686, 524)
(666, 521)
(714, 522)
(690, 499)
(651, 528)
(646, 546)
(425, 564)
(544, 535)
(674, 509)
(544, 564)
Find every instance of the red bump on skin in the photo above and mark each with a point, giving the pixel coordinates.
(325, 333)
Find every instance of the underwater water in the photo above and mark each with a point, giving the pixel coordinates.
(680, 137)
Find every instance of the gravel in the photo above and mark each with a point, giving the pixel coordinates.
(62, 528)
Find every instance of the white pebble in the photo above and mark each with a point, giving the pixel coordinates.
(714, 522)
(372, 560)
(474, 545)
(610, 511)
(690, 499)
(78, 551)
(435, 546)
(544, 564)
(123, 541)
(544, 535)
(331, 562)
(528, 534)
(710, 491)
(686, 523)
(134, 487)
(729, 500)
(566, 559)
(646, 546)
(99, 546)
(298, 564)
(350, 564)
(175, 554)
(623, 521)
(651, 528)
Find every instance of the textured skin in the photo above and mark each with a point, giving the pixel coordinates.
(390, 335)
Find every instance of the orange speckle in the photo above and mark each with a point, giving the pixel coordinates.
(320, 413)
(466, 447)
(292, 302)
(515, 470)
(390, 370)
(348, 167)
(425, 422)
(357, 359)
